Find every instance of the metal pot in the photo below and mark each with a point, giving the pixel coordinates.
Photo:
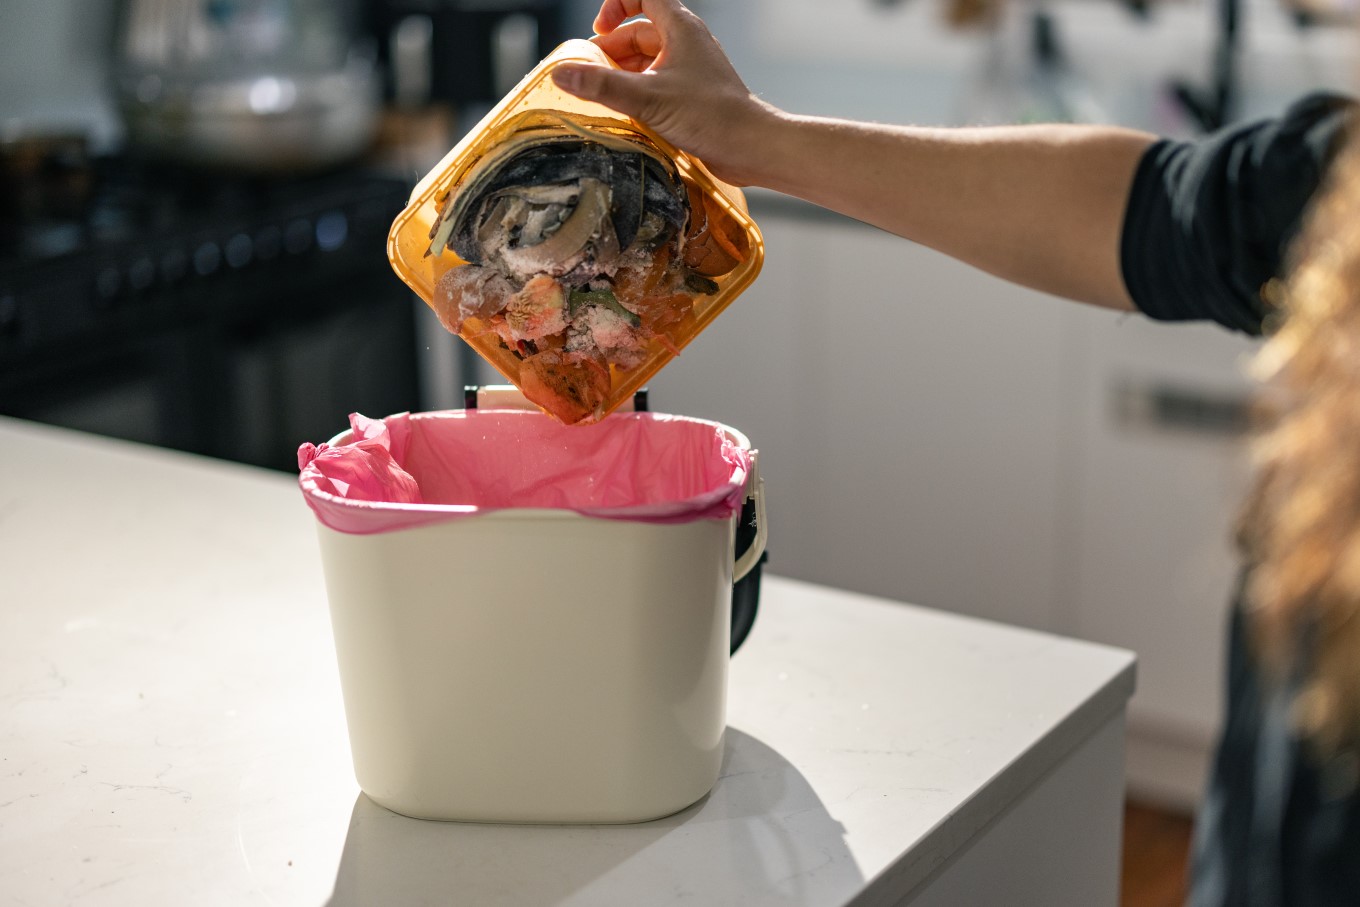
(246, 84)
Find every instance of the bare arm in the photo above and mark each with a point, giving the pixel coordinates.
(1041, 206)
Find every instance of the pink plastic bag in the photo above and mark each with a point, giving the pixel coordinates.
(412, 470)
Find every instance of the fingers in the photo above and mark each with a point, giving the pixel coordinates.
(612, 14)
(665, 13)
(617, 90)
(635, 40)
(634, 64)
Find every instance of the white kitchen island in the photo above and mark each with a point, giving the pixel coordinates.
(173, 732)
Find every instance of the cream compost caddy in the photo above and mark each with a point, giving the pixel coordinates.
(537, 665)
(533, 665)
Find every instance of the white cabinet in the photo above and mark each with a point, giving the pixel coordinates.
(908, 412)
(932, 434)
(1161, 474)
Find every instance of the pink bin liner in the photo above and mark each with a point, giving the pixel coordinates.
(412, 470)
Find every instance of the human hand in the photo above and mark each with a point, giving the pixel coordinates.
(676, 79)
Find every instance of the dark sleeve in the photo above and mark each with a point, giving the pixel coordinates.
(1209, 222)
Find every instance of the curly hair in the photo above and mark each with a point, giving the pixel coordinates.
(1301, 526)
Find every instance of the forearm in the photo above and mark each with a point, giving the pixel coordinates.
(1041, 206)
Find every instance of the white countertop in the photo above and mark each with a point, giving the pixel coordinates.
(173, 731)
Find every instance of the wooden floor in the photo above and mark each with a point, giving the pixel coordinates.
(1156, 857)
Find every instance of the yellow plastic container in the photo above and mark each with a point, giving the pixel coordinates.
(538, 101)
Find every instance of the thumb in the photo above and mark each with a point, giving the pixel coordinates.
(614, 88)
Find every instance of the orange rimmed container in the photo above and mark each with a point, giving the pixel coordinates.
(538, 101)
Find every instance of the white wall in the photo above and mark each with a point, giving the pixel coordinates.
(53, 67)
(902, 63)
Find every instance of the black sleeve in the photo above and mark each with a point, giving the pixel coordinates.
(1209, 222)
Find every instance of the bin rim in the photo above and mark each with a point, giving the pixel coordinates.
(400, 516)
(734, 435)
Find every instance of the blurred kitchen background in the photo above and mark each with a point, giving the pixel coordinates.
(195, 194)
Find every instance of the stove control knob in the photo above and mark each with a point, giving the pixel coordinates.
(239, 250)
(108, 283)
(174, 265)
(207, 259)
(268, 243)
(297, 236)
(332, 229)
(141, 275)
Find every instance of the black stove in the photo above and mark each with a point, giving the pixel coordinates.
(225, 314)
